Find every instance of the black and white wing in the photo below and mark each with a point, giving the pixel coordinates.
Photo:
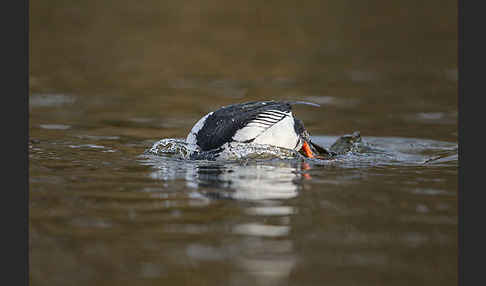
(240, 122)
(263, 122)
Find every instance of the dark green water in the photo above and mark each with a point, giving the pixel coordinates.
(108, 79)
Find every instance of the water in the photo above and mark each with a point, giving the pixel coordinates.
(109, 81)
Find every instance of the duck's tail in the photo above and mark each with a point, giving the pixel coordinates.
(303, 102)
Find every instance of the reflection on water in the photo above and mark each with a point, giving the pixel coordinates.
(249, 182)
(268, 262)
(44, 100)
(268, 185)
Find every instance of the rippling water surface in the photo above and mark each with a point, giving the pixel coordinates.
(107, 82)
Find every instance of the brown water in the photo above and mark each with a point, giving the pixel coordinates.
(107, 80)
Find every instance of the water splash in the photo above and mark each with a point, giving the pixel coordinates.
(178, 148)
(356, 152)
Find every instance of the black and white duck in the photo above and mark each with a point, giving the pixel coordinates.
(260, 122)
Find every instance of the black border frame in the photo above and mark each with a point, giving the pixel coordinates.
(15, 82)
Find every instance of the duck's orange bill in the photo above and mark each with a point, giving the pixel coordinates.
(307, 150)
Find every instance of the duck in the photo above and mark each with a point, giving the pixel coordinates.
(258, 122)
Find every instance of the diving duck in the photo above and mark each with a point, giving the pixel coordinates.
(260, 122)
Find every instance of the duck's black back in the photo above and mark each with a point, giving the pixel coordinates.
(222, 124)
